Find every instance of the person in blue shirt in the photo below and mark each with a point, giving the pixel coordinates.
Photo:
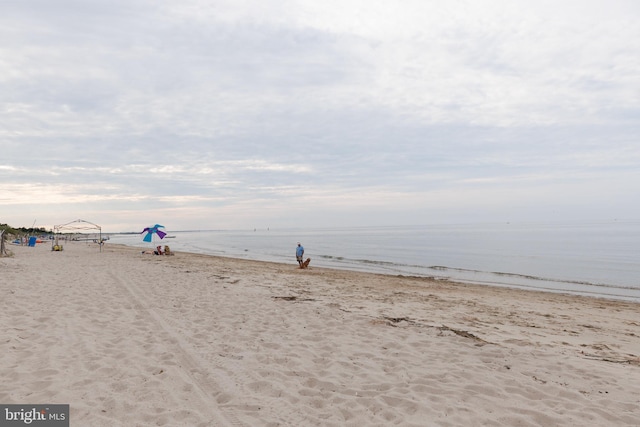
(299, 254)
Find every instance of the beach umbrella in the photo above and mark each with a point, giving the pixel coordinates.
(151, 231)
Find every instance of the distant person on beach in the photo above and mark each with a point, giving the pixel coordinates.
(158, 251)
(299, 254)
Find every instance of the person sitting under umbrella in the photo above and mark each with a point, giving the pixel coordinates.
(158, 251)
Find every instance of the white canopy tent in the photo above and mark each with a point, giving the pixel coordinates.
(75, 226)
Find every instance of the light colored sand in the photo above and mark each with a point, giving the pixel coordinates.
(134, 340)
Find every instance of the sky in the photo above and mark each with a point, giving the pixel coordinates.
(237, 114)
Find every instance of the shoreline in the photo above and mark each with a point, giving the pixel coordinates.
(473, 277)
(198, 340)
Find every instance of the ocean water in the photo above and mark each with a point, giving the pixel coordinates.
(596, 259)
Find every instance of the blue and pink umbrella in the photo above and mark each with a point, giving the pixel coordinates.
(151, 231)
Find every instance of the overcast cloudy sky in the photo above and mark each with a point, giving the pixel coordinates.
(224, 114)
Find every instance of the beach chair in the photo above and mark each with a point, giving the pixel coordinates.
(167, 250)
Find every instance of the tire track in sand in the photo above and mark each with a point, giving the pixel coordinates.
(243, 394)
(194, 370)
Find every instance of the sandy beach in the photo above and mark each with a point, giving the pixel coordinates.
(130, 339)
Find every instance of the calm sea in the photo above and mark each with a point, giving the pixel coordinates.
(597, 259)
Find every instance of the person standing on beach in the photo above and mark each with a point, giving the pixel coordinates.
(299, 254)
